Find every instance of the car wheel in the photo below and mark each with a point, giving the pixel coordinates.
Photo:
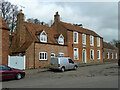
(75, 67)
(18, 76)
(62, 69)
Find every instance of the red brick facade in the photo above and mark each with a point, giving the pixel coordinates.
(4, 42)
(111, 53)
(27, 41)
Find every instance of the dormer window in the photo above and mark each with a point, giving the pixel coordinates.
(43, 36)
(61, 40)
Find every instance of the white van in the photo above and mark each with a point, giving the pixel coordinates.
(62, 63)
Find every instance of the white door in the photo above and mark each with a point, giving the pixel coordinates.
(17, 62)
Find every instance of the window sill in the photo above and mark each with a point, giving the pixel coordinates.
(43, 60)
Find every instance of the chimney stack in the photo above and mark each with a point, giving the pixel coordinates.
(56, 17)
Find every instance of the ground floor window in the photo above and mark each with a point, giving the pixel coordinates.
(91, 54)
(43, 56)
(52, 55)
(107, 55)
(76, 54)
(112, 55)
(116, 56)
(61, 54)
(98, 54)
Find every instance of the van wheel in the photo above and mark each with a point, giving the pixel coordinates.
(75, 68)
(62, 69)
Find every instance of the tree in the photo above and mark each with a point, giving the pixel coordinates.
(32, 20)
(9, 12)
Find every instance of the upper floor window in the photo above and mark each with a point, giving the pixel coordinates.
(61, 39)
(98, 41)
(91, 40)
(107, 55)
(84, 39)
(43, 36)
(92, 54)
(98, 54)
(75, 37)
(116, 56)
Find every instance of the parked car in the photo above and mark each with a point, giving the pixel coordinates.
(7, 72)
(62, 63)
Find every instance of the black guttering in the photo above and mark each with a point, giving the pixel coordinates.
(5, 28)
(83, 33)
(50, 43)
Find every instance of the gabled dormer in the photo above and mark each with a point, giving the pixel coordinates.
(43, 36)
(61, 39)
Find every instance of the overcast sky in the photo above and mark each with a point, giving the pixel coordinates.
(101, 17)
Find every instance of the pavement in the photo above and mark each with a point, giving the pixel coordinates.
(34, 71)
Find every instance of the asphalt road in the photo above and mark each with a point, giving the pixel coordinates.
(97, 76)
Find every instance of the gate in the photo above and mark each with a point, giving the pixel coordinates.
(17, 62)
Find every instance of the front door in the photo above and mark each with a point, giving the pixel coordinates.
(84, 56)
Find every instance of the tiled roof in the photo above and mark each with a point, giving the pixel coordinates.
(79, 29)
(3, 24)
(35, 29)
(108, 46)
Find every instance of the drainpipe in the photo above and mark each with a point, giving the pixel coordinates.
(34, 55)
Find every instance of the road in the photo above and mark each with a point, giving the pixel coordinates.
(97, 76)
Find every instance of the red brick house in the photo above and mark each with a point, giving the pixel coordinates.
(84, 46)
(110, 53)
(4, 42)
(39, 43)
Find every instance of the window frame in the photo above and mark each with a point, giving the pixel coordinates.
(61, 55)
(53, 54)
(92, 44)
(99, 54)
(77, 54)
(76, 37)
(112, 55)
(61, 40)
(108, 56)
(98, 41)
(116, 56)
(43, 36)
(43, 56)
(84, 38)
(92, 53)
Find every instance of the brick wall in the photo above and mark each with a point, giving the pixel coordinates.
(49, 49)
(110, 56)
(4, 46)
(80, 47)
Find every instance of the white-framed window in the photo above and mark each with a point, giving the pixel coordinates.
(91, 40)
(103, 55)
(98, 54)
(91, 54)
(98, 42)
(76, 57)
(43, 36)
(84, 39)
(52, 55)
(61, 54)
(43, 56)
(112, 55)
(61, 39)
(115, 55)
(108, 55)
(75, 37)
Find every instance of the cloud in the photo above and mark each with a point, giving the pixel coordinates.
(100, 17)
